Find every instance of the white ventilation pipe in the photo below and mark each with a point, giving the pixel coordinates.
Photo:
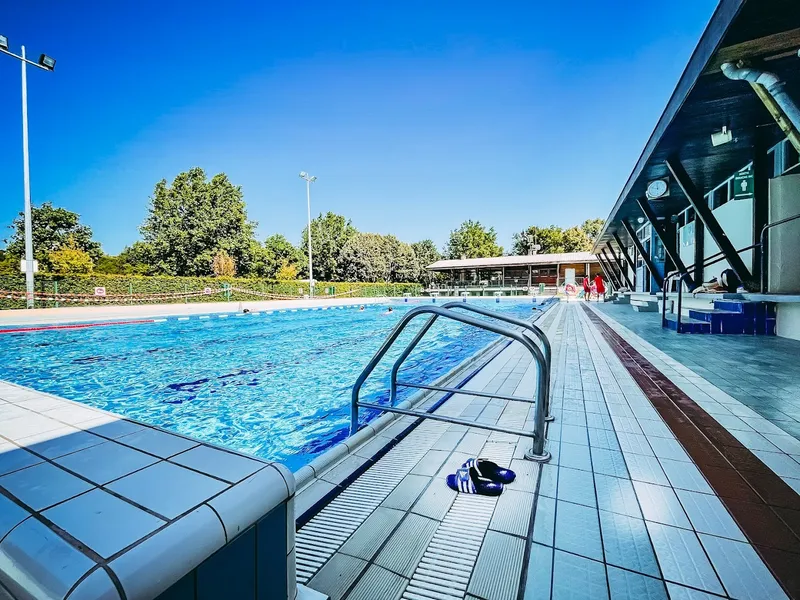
(774, 85)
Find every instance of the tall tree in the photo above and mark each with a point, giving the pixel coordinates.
(403, 262)
(592, 228)
(427, 253)
(549, 239)
(52, 228)
(329, 235)
(69, 259)
(280, 252)
(364, 258)
(576, 240)
(473, 240)
(192, 220)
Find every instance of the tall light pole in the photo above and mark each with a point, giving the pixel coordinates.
(309, 180)
(45, 63)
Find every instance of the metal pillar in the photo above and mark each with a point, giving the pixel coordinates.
(761, 174)
(669, 244)
(629, 263)
(703, 211)
(699, 249)
(645, 256)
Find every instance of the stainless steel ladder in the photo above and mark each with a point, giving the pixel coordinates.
(542, 358)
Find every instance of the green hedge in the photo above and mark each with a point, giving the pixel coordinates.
(138, 284)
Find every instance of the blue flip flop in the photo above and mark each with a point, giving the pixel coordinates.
(467, 481)
(489, 470)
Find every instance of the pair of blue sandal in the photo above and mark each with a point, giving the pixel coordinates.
(480, 476)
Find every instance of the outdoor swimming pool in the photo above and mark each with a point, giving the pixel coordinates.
(273, 385)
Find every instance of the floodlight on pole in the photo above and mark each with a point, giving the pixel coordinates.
(309, 179)
(45, 63)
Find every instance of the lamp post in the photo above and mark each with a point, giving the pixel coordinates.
(309, 180)
(45, 63)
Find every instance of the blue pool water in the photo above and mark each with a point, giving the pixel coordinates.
(273, 385)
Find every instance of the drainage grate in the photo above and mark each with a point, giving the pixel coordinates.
(445, 567)
(323, 535)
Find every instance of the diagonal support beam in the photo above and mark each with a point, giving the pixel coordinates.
(648, 262)
(623, 267)
(605, 269)
(611, 271)
(669, 244)
(703, 211)
(624, 252)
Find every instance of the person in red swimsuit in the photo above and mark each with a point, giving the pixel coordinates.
(601, 286)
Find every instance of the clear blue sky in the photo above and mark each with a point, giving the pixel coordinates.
(415, 115)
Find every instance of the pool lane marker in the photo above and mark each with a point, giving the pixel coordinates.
(75, 326)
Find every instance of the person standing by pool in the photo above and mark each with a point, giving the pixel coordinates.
(587, 290)
(600, 285)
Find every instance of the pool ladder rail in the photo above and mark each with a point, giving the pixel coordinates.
(541, 356)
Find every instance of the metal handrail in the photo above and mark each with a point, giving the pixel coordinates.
(764, 249)
(718, 257)
(537, 451)
(481, 311)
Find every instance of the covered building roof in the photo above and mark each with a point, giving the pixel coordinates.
(705, 100)
(513, 261)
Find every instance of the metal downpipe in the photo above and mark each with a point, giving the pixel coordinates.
(774, 85)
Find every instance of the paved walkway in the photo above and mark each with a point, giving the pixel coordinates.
(763, 373)
(652, 491)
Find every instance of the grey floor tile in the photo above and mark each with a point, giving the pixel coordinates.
(430, 464)
(617, 495)
(377, 582)
(685, 476)
(782, 464)
(578, 578)
(603, 438)
(105, 462)
(645, 468)
(406, 492)
(682, 558)
(544, 521)
(407, 544)
(627, 543)
(680, 592)
(660, 504)
(575, 456)
(338, 574)
(743, 573)
(497, 571)
(625, 585)
(578, 530)
(527, 474)
(88, 516)
(634, 443)
(574, 434)
(43, 485)
(549, 479)
(539, 574)
(653, 428)
(669, 448)
(609, 462)
(371, 535)
(435, 501)
(576, 486)
(513, 513)
(13, 459)
(709, 515)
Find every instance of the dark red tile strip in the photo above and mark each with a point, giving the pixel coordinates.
(765, 507)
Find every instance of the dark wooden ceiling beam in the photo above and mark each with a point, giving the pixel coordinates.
(765, 47)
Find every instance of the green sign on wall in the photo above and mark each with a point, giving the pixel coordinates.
(743, 185)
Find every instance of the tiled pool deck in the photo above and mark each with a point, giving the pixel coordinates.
(662, 485)
(675, 474)
(93, 506)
